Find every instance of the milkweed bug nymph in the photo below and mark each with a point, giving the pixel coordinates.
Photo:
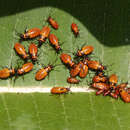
(33, 50)
(85, 50)
(54, 42)
(113, 79)
(27, 67)
(20, 50)
(95, 65)
(44, 35)
(30, 34)
(66, 59)
(43, 72)
(60, 90)
(6, 73)
(53, 23)
(72, 80)
(75, 29)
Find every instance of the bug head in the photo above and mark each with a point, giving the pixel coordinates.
(40, 42)
(85, 60)
(12, 71)
(49, 18)
(19, 72)
(68, 89)
(123, 85)
(78, 53)
(50, 67)
(58, 49)
(76, 34)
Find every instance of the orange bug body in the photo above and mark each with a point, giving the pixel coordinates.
(75, 29)
(33, 51)
(54, 42)
(44, 34)
(114, 90)
(76, 69)
(97, 79)
(86, 50)
(60, 90)
(83, 71)
(113, 79)
(6, 73)
(25, 68)
(66, 59)
(85, 60)
(53, 23)
(124, 95)
(19, 48)
(30, 34)
(95, 65)
(72, 80)
(42, 73)
(102, 87)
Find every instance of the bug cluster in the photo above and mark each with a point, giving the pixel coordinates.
(80, 66)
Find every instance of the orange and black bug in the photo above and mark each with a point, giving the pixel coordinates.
(85, 60)
(6, 73)
(95, 65)
(66, 59)
(20, 50)
(114, 90)
(44, 34)
(74, 71)
(53, 23)
(102, 87)
(83, 71)
(30, 34)
(54, 42)
(60, 90)
(100, 77)
(124, 94)
(97, 79)
(85, 50)
(27, 67)
(43, 72)
(33, 50)
(72, 80)
(75, 29)
(113, 79)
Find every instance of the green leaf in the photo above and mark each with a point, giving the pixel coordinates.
(104, 25)
(78, 111)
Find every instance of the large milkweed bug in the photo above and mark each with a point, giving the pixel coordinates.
(60, 90)
(100, 77)
(43, 72)
(54, 42)
(95, 65)
(75, 29)
(53, 23)
(72, 80)
(20, 50)
(85, 50)
(6, 73)
(125, 95)
(102, 87)
(27, 67)
(44, 34)
(67, 60)
(83, 71)
(76, 69)
(29, 34)
(33, 50)
(113, 79)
